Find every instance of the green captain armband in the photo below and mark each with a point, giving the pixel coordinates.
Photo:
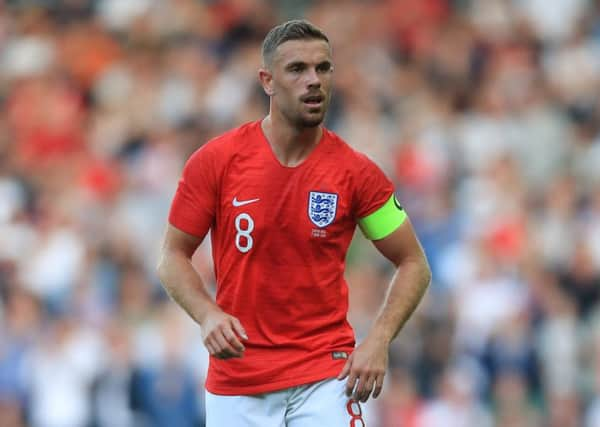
(384, 220)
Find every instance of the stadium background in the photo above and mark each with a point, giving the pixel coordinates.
(485, 113)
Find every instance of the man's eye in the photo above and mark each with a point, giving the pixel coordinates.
(324, 68)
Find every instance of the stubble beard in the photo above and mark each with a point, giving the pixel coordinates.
(311, 120)
(300, 119)
(304, 122)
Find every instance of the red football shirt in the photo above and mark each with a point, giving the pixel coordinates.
(279, 240)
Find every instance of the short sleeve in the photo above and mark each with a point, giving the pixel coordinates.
(373, 188)
(194, 204)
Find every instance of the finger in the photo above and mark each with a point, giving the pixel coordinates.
(351, 383)
(360, 387)
(367, 389)
(378, 386)
(225, 349)
(216, 352)
(346, 369)
(211, 348)
(233, 339)
(239, 329)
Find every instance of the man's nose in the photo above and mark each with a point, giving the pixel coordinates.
(312, 78)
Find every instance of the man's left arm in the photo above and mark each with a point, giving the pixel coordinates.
(367, 365)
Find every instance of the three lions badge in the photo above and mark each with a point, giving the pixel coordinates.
(322, 208)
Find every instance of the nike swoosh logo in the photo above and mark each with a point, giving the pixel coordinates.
(238, 203)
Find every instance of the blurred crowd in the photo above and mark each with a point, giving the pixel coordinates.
(486, 114)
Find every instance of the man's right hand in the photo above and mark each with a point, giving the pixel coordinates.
(222, 334)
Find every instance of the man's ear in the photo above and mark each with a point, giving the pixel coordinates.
(266, 81)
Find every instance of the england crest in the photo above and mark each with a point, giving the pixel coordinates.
(322, 208)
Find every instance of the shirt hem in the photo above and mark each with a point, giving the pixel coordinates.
(271, 387)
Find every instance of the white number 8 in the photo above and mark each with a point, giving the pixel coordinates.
(241, 232)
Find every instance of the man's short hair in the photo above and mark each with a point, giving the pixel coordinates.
(297, 29)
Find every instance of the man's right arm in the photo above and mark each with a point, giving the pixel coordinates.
(221, 332)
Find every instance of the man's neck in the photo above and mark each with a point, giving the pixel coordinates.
(290, 145)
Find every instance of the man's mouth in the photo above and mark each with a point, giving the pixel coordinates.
(313, 100)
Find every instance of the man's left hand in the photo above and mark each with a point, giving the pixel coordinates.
(365, 369)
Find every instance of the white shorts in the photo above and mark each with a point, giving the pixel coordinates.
(323, 403)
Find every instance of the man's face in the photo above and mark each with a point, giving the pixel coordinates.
(301, 81)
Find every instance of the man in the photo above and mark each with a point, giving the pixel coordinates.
(282, 197)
